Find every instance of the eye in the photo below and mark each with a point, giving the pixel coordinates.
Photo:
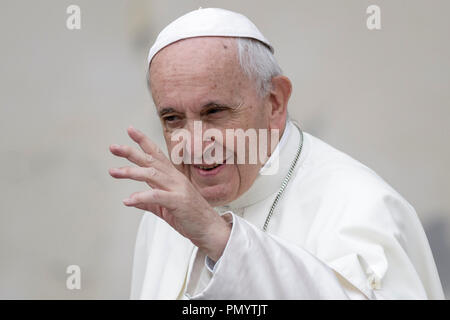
(214, 110)
(171, 118)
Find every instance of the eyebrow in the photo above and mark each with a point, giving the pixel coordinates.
(164, 111)
(167, 110)
(210, 104)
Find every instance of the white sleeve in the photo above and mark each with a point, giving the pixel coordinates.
(144, 236)
(257, 265)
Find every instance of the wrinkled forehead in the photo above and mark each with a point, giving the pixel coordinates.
(196, 57)
(197, 48)
(196, 66)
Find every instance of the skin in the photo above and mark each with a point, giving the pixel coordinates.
(199, 79)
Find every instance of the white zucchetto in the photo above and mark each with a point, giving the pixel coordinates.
(207, 22)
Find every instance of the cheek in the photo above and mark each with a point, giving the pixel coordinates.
(256, 116)
(247, 174)
(175, 153)
(169, 144)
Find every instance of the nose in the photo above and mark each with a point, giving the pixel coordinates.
(204, 145)
(194, 147)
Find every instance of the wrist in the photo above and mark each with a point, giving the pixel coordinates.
(217, 239)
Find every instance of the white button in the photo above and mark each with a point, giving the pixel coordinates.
(374, 282)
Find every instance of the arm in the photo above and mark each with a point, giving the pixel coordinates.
(257, 265)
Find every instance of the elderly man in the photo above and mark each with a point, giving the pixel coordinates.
(320, 226)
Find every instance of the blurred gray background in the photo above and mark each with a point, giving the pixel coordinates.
(380, 96)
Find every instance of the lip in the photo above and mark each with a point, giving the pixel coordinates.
(209, 173)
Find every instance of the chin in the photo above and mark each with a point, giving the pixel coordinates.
(217, 195)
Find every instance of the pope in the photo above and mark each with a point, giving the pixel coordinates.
(320, 226)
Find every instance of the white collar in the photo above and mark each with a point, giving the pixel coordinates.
(266, 185)
(279, 147)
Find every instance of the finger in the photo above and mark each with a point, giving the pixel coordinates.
(134, 155)
(153, 208)
(146, 144)
(153, 176)
(152, 197)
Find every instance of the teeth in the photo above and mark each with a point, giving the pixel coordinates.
(208, 168)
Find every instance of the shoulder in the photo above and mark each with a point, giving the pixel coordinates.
(345, 186)
(339, 172)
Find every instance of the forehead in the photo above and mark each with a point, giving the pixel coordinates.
(192, 68)
(198, 52)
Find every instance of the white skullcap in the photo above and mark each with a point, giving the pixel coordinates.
(207, 22)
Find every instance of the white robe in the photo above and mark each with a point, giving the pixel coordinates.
(339, 231)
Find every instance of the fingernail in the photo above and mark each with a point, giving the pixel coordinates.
(127, 201)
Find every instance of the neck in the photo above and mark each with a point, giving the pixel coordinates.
(273, 172)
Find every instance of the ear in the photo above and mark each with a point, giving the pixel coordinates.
(279, 97)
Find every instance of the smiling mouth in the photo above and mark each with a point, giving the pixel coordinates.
(208, 168)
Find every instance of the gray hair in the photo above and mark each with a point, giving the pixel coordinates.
(256, 61)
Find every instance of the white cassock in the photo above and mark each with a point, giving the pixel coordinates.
(339, 231)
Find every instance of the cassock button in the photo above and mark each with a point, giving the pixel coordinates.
(374, 282)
